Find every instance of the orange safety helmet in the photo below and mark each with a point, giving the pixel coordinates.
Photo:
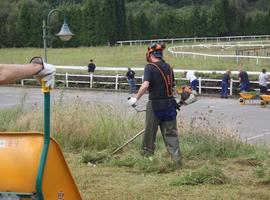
(156, 49)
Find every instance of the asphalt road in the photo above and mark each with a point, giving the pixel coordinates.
(250, 121)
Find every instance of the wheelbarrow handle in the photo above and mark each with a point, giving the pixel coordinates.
(46, 142)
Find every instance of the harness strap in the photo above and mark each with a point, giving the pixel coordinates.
(167, 79)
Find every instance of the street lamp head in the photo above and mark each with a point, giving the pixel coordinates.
(65, 34)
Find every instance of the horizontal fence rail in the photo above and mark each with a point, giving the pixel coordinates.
(179, 51)
(124, 69)
(195, 39)
(119, 82)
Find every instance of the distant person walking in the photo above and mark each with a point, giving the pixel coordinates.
(225, 84)
(263, 78)
(131, 81)
(244, 81)
(190, 76)
(91, 66)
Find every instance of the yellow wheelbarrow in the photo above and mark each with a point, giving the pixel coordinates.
(265, 99)
(32, 165)
(247, 97)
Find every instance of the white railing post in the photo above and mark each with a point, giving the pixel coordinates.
(116, 82)
(22, 82)
(231, 86)
(200, 85)
(91, 80)
(66, 79)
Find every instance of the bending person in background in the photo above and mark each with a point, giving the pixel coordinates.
(263, 78)
(10, 73)
(225, 84)
(161, 107)
(190, 76)
(244, 81)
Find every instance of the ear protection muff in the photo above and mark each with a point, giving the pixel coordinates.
(154, 47)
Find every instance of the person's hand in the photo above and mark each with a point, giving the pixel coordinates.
(47, 72)
(132, 101)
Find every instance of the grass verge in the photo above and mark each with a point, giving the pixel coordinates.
(217, 165)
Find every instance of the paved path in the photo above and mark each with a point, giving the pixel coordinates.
(251, 121)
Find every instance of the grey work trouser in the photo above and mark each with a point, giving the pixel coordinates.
(168, 130)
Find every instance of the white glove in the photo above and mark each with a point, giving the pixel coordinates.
(47, 72)
(132, 101)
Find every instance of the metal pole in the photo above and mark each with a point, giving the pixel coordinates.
(231, 87)
(44, 40)
(116, 82)
(200, 85)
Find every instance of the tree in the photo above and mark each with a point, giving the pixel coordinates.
(144, 27)
(92, 32)
(131, 28)
(216, 19)
(4, 11)
(121, 25)
(28, 24)
(166, 25)
(109, 21)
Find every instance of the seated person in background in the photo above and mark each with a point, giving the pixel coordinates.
(91, 66)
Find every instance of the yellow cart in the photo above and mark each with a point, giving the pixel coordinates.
(32, 165)
(247, 97)
(265, 99)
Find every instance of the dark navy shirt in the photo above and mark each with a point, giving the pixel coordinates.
(130, 74)
(226, 78)
(244, 76)
(157, 87)
(91, 67)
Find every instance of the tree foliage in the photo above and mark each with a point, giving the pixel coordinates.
(104, 22)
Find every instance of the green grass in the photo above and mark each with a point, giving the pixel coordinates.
(125, 56)
(202, 175)
(216, 164)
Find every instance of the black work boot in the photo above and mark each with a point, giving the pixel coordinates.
(177, 161)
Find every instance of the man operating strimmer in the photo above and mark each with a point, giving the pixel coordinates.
(161, 107)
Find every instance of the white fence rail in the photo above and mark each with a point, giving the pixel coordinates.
(124, 69)
(178, 51)
(196, 39)
(119, 82)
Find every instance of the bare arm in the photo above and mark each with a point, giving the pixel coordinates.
(10, 73)
(144, 87)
